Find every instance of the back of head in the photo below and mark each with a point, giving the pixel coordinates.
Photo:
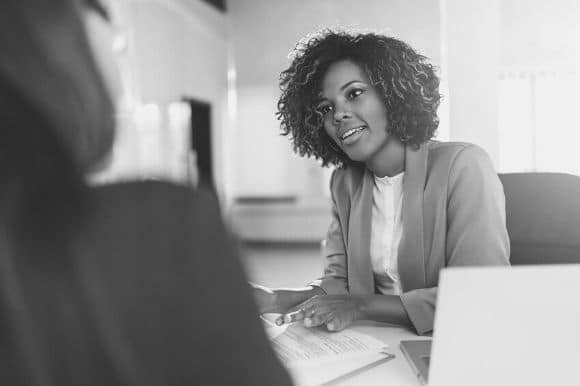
(46, 59)
(55, 112)
(55, 124)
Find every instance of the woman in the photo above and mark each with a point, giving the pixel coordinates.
(109, 285)
(404, 206)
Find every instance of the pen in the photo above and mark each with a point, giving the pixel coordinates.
(353, 373)
(291, 317)
(268, 322)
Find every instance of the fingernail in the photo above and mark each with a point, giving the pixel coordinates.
(307, 322)
(330, 326)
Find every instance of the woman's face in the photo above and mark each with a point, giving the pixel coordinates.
(355, 116)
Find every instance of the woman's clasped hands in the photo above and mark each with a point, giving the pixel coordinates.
(335, 311)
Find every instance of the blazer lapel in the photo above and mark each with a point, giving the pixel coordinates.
(411, 256)
(360, 274)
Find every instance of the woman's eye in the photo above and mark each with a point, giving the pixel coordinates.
(325, 109)
(354, 93)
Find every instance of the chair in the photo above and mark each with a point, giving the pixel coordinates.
(543, 217)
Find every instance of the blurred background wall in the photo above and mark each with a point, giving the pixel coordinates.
(509, 73)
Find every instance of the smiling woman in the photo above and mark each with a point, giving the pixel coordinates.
(404, 206)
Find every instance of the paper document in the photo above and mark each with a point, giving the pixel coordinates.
(302, 346)
(272, 330)
(314, 356)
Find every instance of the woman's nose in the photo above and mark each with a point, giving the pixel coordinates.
(341, 113)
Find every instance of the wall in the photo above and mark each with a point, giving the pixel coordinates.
(182, 50)
(471, 46)
(540, 56)
(482, 38)
(176, 48)
(537, 33)
(233, 60)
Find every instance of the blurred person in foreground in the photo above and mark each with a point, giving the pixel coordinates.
(128, 284)
(404, 205)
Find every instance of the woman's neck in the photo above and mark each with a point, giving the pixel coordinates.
(390, 160)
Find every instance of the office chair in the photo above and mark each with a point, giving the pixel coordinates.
(543, 217)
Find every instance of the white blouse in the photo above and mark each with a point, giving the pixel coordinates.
(386, 231)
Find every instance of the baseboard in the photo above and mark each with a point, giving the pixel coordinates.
(280, 222)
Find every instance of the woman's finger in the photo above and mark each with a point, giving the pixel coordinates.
(298, 312)
(317, 316)
(292, 315)
(314, 304)
(337, 322)
(318, 319)
(309, 303)
(320, 301)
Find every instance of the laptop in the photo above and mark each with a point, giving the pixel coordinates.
(503, 326)
(418, 354)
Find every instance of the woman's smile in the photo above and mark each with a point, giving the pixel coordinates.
(351, 136)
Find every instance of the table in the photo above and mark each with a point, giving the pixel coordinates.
(396, 372)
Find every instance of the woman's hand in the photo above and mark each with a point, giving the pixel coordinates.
(265, 299)
(281, 299)
(334, 311)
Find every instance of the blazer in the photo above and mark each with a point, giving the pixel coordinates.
(453, 215)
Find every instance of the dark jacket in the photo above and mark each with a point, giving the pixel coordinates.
(150, 293)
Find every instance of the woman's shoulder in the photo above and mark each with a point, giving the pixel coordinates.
(461, 161)
(452, 147)
(455, 153)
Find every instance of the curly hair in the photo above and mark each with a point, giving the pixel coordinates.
(405, 80)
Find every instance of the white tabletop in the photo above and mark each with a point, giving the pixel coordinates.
(396, 372)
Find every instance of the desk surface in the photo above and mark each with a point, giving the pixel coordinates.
(394, 372)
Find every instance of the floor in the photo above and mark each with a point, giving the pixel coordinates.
(282, 265)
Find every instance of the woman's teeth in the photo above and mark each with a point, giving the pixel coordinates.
(351, 132)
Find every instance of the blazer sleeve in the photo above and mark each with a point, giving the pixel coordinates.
(476, 227)
(335, 279)
(476, 220)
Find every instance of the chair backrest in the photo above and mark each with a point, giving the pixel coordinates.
(543, 217)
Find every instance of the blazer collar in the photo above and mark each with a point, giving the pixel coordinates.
(411, 256)
(360, 273)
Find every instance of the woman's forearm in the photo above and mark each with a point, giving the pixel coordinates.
(384, 308)
(290, 297)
